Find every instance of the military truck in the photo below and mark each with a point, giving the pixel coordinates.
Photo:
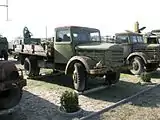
(152, 37)
(3, 47)
(11, 84)
(142, 57)
(79, 52)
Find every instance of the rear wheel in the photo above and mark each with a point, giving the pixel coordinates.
(79, 76)
(112, 78)
(10, 98)
(31, 68)
(137, 66)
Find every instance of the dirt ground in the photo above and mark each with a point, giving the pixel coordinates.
(41, 99)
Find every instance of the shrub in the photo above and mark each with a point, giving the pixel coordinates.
(69, 101)
(146, 77)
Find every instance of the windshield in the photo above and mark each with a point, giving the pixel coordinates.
(136, 39)
(85, 35)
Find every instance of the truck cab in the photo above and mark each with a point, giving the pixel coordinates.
(68, 38)
(141, 56)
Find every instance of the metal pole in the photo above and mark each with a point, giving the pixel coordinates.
(46, 32)
(7, 8)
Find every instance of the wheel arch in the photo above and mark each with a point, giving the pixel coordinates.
(87, 62)
(140, 55)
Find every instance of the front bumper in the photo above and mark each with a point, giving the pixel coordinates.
(98, 71)
(153, 61)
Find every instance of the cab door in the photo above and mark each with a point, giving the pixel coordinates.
(125, 43)
(63, 46)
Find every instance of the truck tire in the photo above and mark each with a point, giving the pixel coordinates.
(31, 68)
(137, 66)
(79, 77)
(10, 98)
(112, 78)
(5, 55)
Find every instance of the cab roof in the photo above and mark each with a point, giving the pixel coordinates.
(128, 33)
(70, 27)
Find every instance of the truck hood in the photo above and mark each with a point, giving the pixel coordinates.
(98, 46)
(153, 46)
(141, 47)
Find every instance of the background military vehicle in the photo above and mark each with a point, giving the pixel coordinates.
(79, 52)
(11, 84)
(152, 37)
(141, 56)
(3, 47)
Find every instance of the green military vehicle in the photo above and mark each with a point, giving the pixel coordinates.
(152, 37)
(79, 52)
(142, 57)
(3, 48)
(11, 84)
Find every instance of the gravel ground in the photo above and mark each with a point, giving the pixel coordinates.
(146, 107)
(39, 103)
(40, 99)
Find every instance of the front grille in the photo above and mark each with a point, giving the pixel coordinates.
(117, 58)
(109, 58)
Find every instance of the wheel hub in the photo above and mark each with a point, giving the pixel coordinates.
(135, 66)
(75, 76)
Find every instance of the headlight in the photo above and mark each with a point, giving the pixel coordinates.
(99, 64)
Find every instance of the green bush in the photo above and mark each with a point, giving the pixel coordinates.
(69, 101)
(146, 77)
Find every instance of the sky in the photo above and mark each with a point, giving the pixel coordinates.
(110, 16)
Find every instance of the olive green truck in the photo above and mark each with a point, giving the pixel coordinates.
(78, 51)
(141, 56)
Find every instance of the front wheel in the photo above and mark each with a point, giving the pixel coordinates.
(137, 66)
(79, 76)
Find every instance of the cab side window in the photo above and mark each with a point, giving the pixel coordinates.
(122, 39)
(63, 36)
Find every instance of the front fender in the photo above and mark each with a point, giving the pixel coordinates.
(139, 54)
(86, 61)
